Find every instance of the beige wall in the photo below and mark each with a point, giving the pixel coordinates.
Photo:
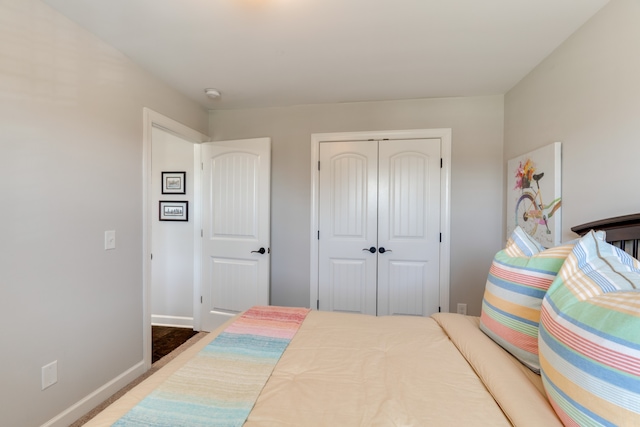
(587, 95)
(476, 193)
(71, 162)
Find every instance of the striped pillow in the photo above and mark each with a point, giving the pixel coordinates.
(512, 298)
(590, 337)
(521, 244)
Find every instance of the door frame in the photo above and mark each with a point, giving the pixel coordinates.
(445, 198)
(153, 119)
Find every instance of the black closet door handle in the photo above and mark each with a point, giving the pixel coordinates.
(372, 249)
(383, 250)
(259, 251)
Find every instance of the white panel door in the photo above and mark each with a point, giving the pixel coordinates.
(348, 227)
(383, 195)
(236, 228)
(409, 227)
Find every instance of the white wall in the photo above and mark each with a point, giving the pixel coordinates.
(71, 159)
(172, 241)
(477, 179)
(587, 95)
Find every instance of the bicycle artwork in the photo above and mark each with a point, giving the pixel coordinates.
(534, 199)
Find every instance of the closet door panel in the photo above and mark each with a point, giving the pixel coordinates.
(408, 227)
(410, 278)
(348, 224)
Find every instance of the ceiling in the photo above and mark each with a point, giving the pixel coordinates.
(262, 53)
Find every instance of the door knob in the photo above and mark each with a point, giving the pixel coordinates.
(371, 249)
(259, 251)
(383, 250)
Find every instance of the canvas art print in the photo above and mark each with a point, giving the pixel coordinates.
(533, 194)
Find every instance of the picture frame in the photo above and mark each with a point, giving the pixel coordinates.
(170, 210)
(534, 199)
(174, 183)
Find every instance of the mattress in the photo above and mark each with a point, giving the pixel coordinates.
(357, 370)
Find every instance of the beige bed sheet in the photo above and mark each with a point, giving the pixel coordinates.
(517, 390)
(355, 370)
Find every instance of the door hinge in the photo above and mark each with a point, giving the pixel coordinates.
(151, 257)
(438, 309)
(317, 304)
(440, 237)
(318, 234)
(200, 299)
(201, 233)
(201, 166)
(318, 164)
(440, 162)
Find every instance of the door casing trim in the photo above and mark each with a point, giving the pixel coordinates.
(445, 198)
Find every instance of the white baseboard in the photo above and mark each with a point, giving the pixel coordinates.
(176, 321)
(92, 400)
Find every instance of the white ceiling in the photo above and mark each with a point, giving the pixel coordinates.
(284, 52)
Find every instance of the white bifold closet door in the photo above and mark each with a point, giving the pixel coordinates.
(379, 221)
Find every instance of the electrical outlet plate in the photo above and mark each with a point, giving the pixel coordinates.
(462, 308)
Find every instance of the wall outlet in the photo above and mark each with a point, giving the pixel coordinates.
(462, 308)
(49, 374)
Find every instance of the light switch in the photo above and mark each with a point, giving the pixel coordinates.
(49, 374)
(109, 240)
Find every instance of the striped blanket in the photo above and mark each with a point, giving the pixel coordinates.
(220, 385)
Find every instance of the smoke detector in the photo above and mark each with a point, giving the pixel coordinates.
(212, 93)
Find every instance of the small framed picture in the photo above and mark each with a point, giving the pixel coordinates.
(174, 211)
(174, 182)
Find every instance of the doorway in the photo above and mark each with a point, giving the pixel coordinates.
(383, 197)
(172, 238)
(154, 122)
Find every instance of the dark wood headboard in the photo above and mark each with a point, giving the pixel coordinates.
(622, 231)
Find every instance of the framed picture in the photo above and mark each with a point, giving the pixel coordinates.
(174, 211)
(174, 182)
(534, 185)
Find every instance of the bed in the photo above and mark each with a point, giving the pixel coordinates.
(310, 368)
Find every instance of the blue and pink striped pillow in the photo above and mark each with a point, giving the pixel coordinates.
(512, 298)
(518, 280)
(590, 337)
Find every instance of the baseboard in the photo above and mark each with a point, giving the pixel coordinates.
(176, 321)
(73, 413)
